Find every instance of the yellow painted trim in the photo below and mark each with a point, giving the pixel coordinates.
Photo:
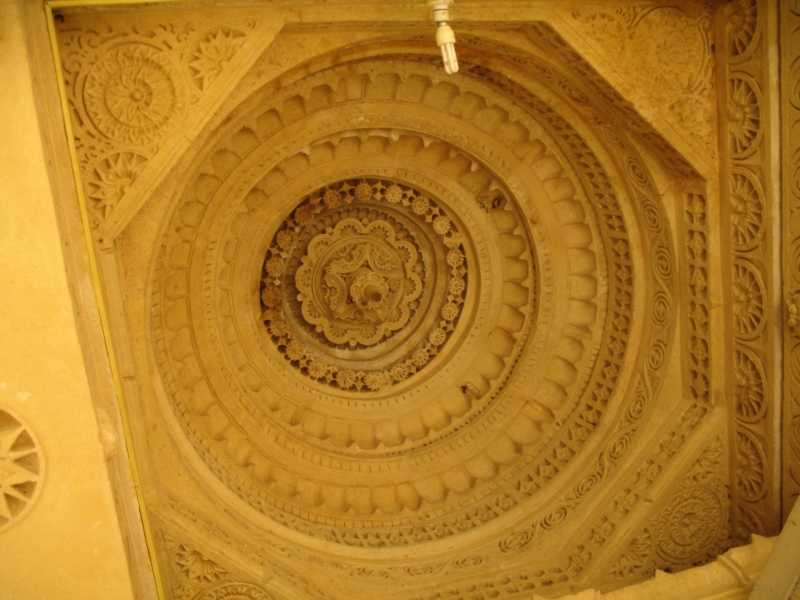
(55, 4)
(95, 277)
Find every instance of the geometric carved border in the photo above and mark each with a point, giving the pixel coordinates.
(747, 203)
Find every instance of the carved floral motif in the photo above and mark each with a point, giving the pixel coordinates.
(748, 299)
(744, 116)
(195, 567)
(360, 280)
(747, 210)
(750, 382)
(211, 51)
(666, 50)
(688, 523)
(110, 179)
(133, 94)
(635, 560)
(750, 466)
(742, 27)
(21, 469)
(127, 85)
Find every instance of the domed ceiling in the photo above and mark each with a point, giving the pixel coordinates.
(387, 332)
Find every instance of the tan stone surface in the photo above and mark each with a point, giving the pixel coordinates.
(730, 577)
(384, 332)
(68, 544)
(385, 311)
(660, 57)
(790, 179)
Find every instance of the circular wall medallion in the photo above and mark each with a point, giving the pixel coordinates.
(689, 523)
(21, 468)
(364, 283)
(134, 94)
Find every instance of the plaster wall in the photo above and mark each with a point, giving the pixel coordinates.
(69, 544)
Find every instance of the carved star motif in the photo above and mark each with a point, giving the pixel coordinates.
(213, 54)
(15, 476)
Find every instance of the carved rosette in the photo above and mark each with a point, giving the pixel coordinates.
(361, 269)
(21, 468)
(210, 51)
(110, 179)
(689, 523)
(134, 94)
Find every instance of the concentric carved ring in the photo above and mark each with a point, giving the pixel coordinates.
(361, 269)
(324, 258)
(689, 523)
(134, 94)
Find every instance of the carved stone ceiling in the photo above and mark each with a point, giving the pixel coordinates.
(385, 332)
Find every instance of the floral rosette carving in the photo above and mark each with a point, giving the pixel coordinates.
(358, 282)
(21, 469)
(210, 52)
(689, 523)
(134, 95)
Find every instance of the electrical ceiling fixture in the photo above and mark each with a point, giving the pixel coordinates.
(445, 38)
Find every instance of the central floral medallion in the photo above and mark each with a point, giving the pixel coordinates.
(364, 283)
(358, 282)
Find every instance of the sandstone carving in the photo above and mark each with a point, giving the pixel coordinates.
(675, 73)
(21, 468)
(749, 208)
(133, 94)
(390, 332)
(790, 237)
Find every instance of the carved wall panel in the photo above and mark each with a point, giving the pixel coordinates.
(135, 91)
(673, 75)
(691, 529)
(390, 333)
(750, 203)
(790, 159)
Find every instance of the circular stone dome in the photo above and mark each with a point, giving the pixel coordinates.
(390, 309)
